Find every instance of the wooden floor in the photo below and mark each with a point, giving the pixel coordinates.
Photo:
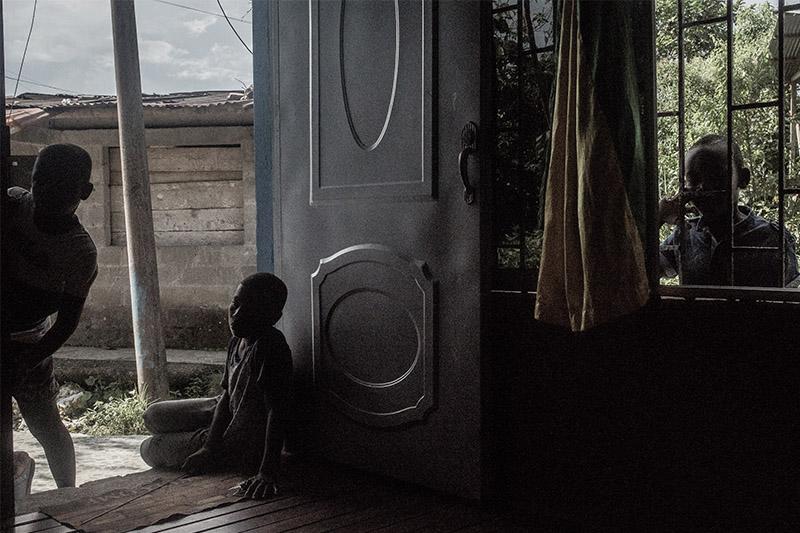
(326, 499)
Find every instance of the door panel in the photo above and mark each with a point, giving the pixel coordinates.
(373, 335)
(371, 104)
(377, 246)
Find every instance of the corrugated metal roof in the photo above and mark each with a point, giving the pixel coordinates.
(18, 119)
(791, 45)
(61, 102)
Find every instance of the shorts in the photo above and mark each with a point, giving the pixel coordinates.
(38, 383)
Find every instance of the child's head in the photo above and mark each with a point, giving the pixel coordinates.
(257, 304)
(706, 174)
(60, 179)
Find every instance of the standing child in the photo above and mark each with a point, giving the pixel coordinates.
(49, 264)
(244, 428)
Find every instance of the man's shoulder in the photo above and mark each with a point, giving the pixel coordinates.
(79, 246)
(768, 228)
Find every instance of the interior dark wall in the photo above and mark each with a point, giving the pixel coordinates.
(683, 416)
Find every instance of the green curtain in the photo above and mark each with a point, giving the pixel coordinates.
(597, 212)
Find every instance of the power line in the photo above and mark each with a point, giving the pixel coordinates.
(234, 29)
(31, 82)
(24, 53)
(190, 8)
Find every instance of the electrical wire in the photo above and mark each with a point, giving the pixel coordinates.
(234, 29)
(31, 82)
(201, 11)
(24, 53)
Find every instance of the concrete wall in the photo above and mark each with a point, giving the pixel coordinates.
(196, 280)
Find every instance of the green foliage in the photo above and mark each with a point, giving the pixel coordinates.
(524, 84)
(202, 386)
(705, 80)
(122, 415)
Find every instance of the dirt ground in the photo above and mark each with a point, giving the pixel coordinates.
(96, 457)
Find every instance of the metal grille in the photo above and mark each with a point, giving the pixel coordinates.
(524, 67)
(731, 108)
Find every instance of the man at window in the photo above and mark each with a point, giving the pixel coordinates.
(703, 255)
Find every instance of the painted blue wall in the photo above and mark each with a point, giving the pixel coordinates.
(262, 135)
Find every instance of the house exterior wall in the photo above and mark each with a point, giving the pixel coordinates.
(196, 280)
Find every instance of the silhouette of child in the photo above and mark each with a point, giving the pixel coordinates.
(244, 428)
(49, 264)
(706, 250)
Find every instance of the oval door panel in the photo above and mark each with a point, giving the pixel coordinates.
(369, 74)
(373, 334)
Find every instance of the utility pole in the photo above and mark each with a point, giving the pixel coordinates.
(6, 424)
(148, 334)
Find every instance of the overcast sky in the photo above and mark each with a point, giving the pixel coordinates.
(180, 49)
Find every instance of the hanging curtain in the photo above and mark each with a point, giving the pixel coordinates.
(595, 207)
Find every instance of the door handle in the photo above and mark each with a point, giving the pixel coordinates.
(469, 137)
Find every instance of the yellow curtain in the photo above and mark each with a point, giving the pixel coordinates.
(592, 266)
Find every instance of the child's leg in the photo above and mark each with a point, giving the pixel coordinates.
(177, 416)
(45, 424)
(170, 450)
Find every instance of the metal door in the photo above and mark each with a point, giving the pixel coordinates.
(375, 236)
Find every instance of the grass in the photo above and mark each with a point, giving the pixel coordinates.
(111, 408)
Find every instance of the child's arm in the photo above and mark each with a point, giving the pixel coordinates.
(263, 484)
(201, 460)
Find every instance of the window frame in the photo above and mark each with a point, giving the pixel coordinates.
(732, 292)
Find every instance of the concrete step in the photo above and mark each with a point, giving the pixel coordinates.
(76, 363)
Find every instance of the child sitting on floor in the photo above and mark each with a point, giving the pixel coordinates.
(244, 428)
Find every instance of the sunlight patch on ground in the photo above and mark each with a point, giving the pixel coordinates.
(96, 457)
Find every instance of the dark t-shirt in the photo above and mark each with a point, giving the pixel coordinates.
(256, 380)
(40, 267)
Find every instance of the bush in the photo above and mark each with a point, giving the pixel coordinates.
(115, 416)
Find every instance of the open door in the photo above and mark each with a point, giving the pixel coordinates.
(377, 239)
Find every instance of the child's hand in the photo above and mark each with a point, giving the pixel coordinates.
(258, 487)
(199, 462)
(669, 209)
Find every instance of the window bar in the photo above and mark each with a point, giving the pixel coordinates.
(518, 148)
(781, 146)
(681, 142)
(702, 22)
(755, 105)
(729, 110)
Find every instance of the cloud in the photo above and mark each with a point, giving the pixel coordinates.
(198, 26)
(223, 63)
(160, 52)
(71, 46)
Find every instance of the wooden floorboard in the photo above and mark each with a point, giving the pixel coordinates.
(169, 525)
(229, 521)
(316, 498)
(45, 525)
(263, 521)
(321, 511)
(341, 521)
(29, 517)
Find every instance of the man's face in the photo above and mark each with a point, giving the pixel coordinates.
(707, 181)
(245, 315)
